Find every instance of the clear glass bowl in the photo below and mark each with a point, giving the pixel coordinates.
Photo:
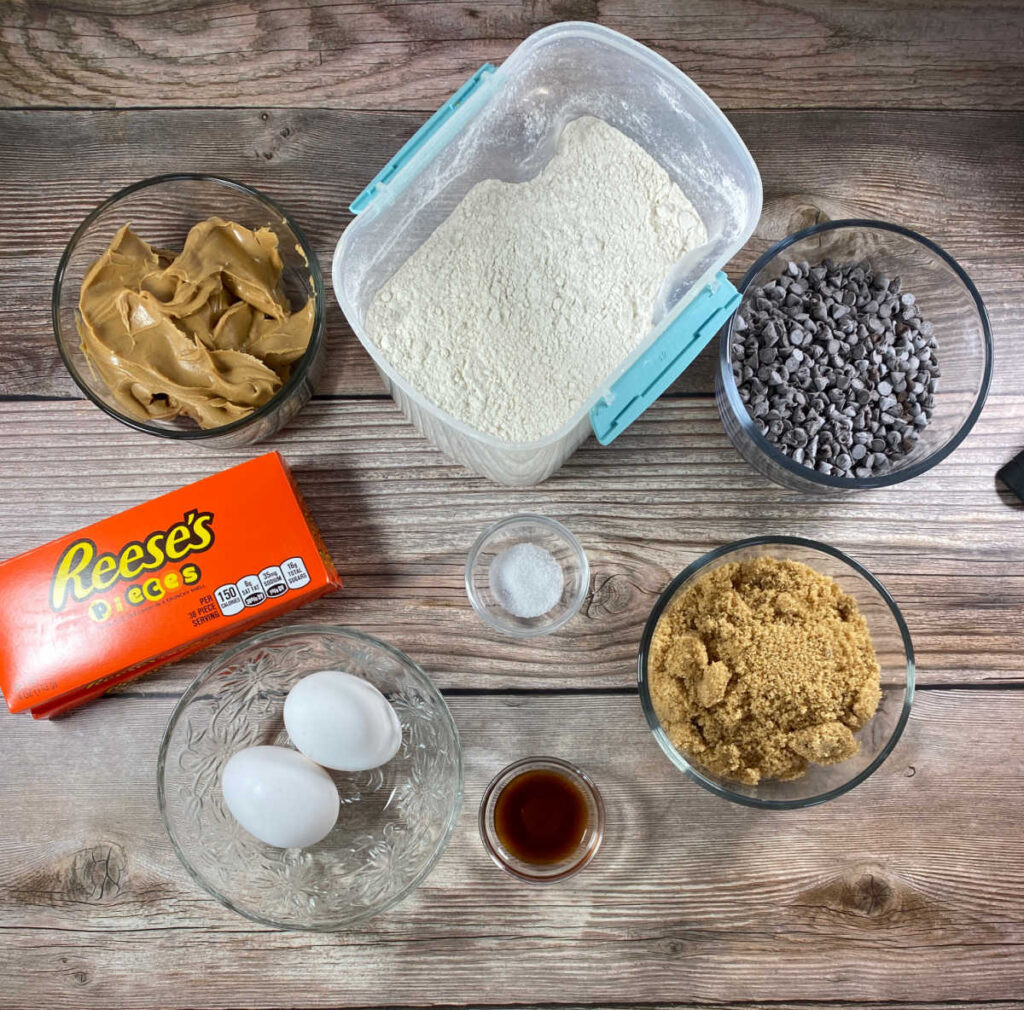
(947, 298)
(546, 873)
(892, 646)
(162, 210)
(395, 821)
(555, 539)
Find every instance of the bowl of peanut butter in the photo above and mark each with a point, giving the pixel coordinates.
(191, 307)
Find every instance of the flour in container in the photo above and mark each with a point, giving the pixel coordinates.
(529, 294)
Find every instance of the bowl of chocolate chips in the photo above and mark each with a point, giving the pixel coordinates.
(859, 357)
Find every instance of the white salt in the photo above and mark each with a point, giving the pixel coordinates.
(526, 580)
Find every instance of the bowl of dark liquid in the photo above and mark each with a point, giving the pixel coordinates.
(541, 819)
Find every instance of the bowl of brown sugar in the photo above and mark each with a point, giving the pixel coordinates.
(776, 672)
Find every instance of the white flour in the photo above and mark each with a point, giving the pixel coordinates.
(529, 294)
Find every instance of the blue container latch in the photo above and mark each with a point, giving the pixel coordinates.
(433, 135)
(666, 359)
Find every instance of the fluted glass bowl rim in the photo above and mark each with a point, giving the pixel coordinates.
(257, 641)
(728, 383)
(560, 531)
(679, 759)
(300, 370)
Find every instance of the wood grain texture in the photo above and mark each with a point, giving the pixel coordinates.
(955, 178)
(399, 521)
(691, 899)
(907, 893)
(745, 53)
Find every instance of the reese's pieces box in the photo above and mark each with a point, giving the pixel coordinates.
(152, 584)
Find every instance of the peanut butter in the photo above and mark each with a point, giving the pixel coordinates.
(206, 333)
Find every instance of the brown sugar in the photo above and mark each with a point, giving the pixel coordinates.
(762, 667)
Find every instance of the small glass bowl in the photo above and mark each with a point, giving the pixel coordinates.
(555, 539)
(543, 873)
(395, 820)
(893, 648)
(947, 298)
(162, 210)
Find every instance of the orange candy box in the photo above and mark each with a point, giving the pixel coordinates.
(155, 583)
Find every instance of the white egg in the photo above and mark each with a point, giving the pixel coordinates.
(280, 796)
(342, 722)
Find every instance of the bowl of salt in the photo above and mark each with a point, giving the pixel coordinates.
(527, 575)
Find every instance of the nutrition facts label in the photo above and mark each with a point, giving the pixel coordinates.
(252, 590)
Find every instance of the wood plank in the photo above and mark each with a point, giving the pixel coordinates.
(953, 177)
(399, 521)
(909, 890)
(745, 53)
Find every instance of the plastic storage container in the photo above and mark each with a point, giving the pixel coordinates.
(505, 123)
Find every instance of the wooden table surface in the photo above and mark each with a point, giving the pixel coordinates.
(907, 892)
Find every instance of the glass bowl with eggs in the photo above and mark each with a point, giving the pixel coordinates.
(310, 777)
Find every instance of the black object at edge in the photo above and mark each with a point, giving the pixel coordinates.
(1012, 475)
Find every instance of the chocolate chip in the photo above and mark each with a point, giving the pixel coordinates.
(836, 365)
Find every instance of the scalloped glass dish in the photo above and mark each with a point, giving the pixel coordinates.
(395, 820)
